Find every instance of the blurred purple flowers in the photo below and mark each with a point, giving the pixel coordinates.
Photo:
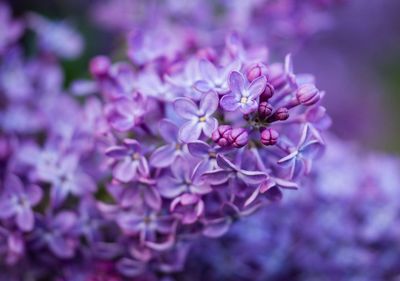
(118, 175)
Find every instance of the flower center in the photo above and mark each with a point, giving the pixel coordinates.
(135, 156)
(202, 118)
(243, 100)
(212, 154)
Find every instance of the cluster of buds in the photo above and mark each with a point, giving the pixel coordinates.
(225, 136)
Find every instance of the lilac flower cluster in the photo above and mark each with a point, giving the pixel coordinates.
(196, 141)
(116, 176)
(346, 227)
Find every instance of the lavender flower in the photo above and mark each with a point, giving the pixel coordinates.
(200, 118)
(122, 199)
(17, 200)
(165, 155)
(129, 160)
(243, 97)
(214, 79)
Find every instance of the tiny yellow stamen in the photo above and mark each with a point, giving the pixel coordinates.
(202, 119)
(243, 100)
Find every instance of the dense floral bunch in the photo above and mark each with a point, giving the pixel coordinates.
(346, 228)
(179, 143)
(197, 141)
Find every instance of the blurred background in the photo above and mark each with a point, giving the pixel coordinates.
(356, 58)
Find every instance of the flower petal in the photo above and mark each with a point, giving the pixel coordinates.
(25, 219)
(252, 177)
(126, 170)
(210, 126)
(252, 197)
(168, 130)
(217, 228)
(116, 151)
(226, 164)
(152, 198)
(169, 189)
(202, 86)
(35, 194)
(163, 156)
(230, 102)
(209, 103)
(208, 70)
(257, 87)
(190, 131)
(186, 108)
(236, 82)
(199, 148)
(216, 177)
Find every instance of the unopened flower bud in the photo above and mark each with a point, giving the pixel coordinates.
(255, 71)
(280, 114)
(269, 136)
(277, 76)
(308, 94)
(221, 136)
(239, 137)
(264, 109)
(268, 92)
(99, 66)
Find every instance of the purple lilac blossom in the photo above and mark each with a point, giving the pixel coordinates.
(124, 173)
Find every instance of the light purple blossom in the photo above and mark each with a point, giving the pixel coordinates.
(200, 117)
(17, 201)
(165, 155)
(299, 158)
(124, 113)
(56, 233)
(214, 79)
(241, 96)
(129, 161)
(228, 169)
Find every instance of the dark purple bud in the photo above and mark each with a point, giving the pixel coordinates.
(239, 137)
(269, 137)
(99, 66)
(255, 71)
(264, 109)
(280, 114)
(308, 94)
(268, 92)
(221, 136)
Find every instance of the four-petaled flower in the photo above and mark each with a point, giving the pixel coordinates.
(166, 154)
(243, 97)
(299, 159)
(129, 160)
(214, 78)
(200, 117)
(185, 187)
(228, 170)
(17, 201)
(125, 113)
